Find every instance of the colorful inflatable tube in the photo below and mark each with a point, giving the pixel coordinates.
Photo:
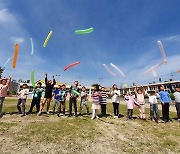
(16, 50)
(108, 70)
(85, 31)
(47, 39)
(162, 51)
(32, 79)
(75, 92)
(71, 65)
(115, 67)
(32, 46)
(6, 63)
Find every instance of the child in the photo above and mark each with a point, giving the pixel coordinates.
(4, 86)
(115, 100)
(22, 100)
(62, 99)
(84, 100)
(73, 98)
(140, 100)
(56, 97)
(165, 101)
(36, 98)
(176, 94)
(103, 102)
(130, 101)
(48, 94)
(153, 106)
(96, 96)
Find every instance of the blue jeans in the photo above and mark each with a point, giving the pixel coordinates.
(154, 110)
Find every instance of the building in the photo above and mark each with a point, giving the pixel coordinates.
(153, 86)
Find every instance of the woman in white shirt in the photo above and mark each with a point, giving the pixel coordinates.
(115, 100)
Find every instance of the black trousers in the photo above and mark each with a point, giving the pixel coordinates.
(165, 112)
(103, 109)
(72, 101)
(129, 113)
(116, 108)
(178, 110)
(35, 101)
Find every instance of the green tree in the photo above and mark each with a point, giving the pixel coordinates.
(1, 71)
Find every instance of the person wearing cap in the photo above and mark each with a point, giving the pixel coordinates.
(4, 86)
(22, 94)
(73, 98)
(37, 93)
(176, 93)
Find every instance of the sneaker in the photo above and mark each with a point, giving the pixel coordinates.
(58, 115)
(28, 113)
(47, 112)
(39, 113)
(179, 120)
(153, 120)
(23, 115)
(158, 121)
(131, 118)
(114, 117)
(92, 118)
(97, 117)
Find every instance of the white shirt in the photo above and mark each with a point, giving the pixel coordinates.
(23, 93)
(177, 96)
(153, 98)
(116, 96)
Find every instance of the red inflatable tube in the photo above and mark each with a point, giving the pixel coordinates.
(71, 65)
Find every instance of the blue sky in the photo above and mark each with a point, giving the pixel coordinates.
(125, 33)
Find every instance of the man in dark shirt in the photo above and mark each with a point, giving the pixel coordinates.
(73, 98)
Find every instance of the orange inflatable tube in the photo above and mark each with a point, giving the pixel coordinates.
(16, 50)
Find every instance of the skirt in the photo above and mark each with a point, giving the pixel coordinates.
(96, 106)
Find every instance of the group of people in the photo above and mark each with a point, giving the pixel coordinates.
(99, 100)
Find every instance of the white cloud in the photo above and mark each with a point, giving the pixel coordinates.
(17, 39)
(6, 16)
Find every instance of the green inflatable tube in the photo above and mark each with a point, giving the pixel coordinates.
(75, 92)
(85, 31)
(32, 79)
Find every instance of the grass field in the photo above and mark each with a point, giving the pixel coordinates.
(81, 135)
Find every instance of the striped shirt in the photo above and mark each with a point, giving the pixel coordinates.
(96, 96)
(103, 97)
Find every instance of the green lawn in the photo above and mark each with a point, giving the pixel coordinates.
(51, 134)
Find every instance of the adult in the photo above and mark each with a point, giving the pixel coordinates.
(48, 94)
(4, 86)
(73, 98)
